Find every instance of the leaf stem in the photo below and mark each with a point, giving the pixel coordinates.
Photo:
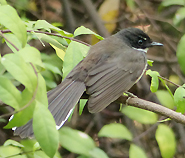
(52, 34)
(1, 34)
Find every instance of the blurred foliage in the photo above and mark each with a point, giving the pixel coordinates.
(39, 42)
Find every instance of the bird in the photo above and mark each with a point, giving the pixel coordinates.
(112, 66)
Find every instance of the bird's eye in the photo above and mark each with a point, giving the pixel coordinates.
(140, 42)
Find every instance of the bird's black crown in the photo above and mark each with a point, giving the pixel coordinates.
(135, 38)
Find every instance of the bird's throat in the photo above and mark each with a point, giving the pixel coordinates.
(141, 50)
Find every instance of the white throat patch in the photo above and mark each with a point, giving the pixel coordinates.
(142, 50)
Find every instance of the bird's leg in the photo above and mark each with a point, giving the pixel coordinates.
(130, 95)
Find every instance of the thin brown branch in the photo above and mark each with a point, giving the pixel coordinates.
(149, 130)
(52, 34)
(91, 10)
(150, 106)
(169, 81)
(1, 34)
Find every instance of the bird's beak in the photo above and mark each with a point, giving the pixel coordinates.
(156, 44)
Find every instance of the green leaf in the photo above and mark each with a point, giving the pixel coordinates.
(28, 146)
(22, 117)
(11, 78)
(63, 41)
(150, 62)
(9, 94)
(140, 115)
(50, 84)
(82, 105)
(165, 98)
(25, 115)
(41, 95)
(52, 59)
(168, 3)
(179, 16)
(13, 143)
(76, 141)
(131, 4)
(155, 81)
(83, 30)
(60, 53)
(8, 151)
(179, 99)
(97, 153)
(31, 54)
(42, 24)
(30, 24)
(52, 68)
(45, 129)
(115, 130)
(83, 156)
(52, 64)
(41, 154)
(20, 70)
(166, 140)
(57, 24)
(181, 53)
(136, 152)
(50, 40)
(3, 2)
(74, 54)
(10, 19)
(36, 146)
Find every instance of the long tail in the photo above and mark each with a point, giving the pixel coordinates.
(62, 100)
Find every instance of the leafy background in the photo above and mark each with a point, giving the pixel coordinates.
(114, 132)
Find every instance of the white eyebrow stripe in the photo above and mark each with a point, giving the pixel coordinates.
(143, 38)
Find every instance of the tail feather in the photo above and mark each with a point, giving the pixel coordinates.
(65, 100)
(61, 101)
(25, 131)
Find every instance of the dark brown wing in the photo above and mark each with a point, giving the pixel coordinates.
(108, 80)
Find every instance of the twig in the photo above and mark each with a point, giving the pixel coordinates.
(169, 81)
(1, 33)
(53, 34)
(68, 15)
(95, 17)
(58, 35)
(150, 106)
(149, 130)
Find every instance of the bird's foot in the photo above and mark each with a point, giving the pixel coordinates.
(130, 95)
